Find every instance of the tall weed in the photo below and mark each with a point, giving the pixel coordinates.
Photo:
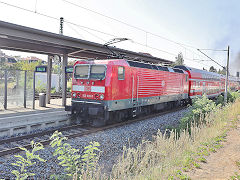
(29, 160)
(77, 165)
(198, 111)
(172, 153)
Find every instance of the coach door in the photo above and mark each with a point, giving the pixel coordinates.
(204, 88)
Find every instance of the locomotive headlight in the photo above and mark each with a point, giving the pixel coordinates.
(74, 94)
(96, 96)
(101, 96)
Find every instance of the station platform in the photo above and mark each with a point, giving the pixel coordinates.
(16, 120)
(54, 104)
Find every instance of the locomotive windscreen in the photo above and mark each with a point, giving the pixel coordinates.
(96, 72)
(81, 72)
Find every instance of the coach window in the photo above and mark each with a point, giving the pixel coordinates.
(121, 73)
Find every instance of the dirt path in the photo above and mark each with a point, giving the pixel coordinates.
(222, 164)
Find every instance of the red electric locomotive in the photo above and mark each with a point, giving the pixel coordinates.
(104, 90)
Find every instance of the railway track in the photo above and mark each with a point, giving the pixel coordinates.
(11, 145)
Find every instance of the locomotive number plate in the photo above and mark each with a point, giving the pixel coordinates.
(87, 88)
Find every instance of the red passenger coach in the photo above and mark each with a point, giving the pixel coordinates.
(119, 88)
(234, 83)
(204, 82)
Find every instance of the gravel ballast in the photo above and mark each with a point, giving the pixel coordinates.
(111, 145)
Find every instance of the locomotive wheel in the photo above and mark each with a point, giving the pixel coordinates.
(97, 122)
(101, 121)
(118, 116)
(79, 119)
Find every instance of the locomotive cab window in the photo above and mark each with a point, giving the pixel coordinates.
(81, 72)
(97, 72)
(121, 73)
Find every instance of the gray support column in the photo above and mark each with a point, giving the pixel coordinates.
(49, 79)
(64, 79)
(34, 87)
(5, 89)
(25, 90)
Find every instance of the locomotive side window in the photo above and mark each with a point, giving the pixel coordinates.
(121, 73)
(97, 72)
(81, 72)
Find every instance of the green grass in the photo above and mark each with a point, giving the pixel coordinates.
(235, 177)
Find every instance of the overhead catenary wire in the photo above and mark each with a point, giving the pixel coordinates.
(187, 59)
(154, 48)
(214, 49)
(69, 25)
(48, 16)
(127, 24)
(210, 58)
(150, 47)
(28, 10)
(84, 27)
(200, 59)
(77, 25)
(135, 27)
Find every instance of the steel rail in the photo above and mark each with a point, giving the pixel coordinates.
(89, 130)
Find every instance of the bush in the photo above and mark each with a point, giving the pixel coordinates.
(199, 109)
(232, 96)
(40, 88)
(53, 91)
(220, 100)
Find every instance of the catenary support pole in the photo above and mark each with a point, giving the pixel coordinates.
(49, 79)
(226, 79)
(61, 25)
(64, 79)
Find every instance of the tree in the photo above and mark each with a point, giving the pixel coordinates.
(25, 66)
(212, 69)
(179, 60)
(223, 71)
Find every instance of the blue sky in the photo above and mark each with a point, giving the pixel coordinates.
(202, 24)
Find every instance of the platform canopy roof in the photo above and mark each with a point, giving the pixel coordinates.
(25, 39)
